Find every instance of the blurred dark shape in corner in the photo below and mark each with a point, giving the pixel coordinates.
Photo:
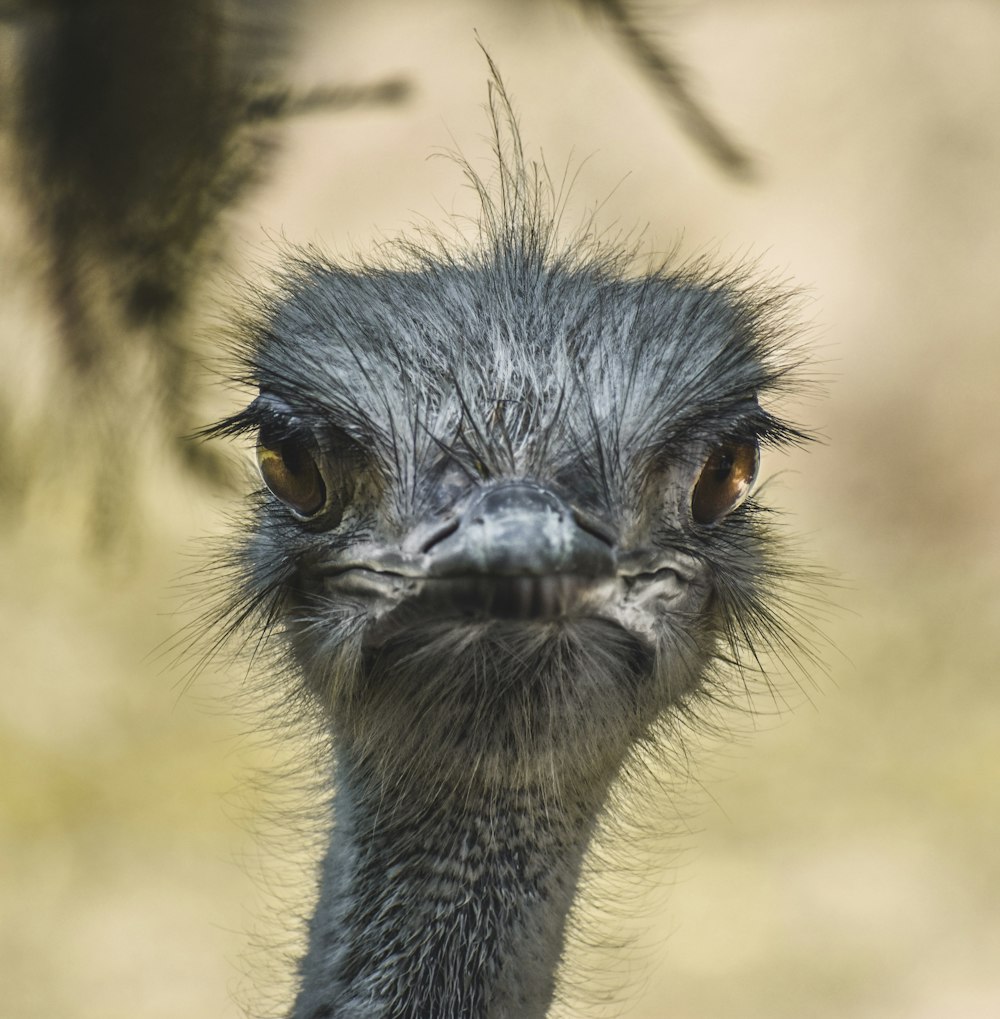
(669, 76)
(137, 123)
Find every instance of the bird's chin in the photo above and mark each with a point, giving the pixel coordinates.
(501, 701)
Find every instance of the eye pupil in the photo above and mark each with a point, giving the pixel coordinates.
(721, 466)
(725, 481)
(290, 471)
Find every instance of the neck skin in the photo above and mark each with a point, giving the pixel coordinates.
(440, 902)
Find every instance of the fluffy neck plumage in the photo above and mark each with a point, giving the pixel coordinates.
(432, 904)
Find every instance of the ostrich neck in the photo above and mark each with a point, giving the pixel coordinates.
(440, 902)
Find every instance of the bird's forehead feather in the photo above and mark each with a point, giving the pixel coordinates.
(473, 338)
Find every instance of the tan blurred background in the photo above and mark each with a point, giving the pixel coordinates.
(842, 860)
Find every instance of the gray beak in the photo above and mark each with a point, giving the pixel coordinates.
(518, 551)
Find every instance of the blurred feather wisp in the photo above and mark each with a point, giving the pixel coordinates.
(136, 128)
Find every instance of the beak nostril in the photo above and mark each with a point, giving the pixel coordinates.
(446, 530)
(594, 527)
(517, 529)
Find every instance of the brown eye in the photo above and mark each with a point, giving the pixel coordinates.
(725, 481)
(289, 469)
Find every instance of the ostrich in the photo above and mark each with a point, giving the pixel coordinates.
(507, 532)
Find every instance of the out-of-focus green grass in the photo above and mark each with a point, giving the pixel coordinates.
(841, 860)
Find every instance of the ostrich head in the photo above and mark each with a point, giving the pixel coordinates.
(507, 528)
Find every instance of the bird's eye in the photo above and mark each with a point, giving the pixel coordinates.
(725, 481)
(290, 470)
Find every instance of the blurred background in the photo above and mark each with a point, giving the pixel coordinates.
(840, 855)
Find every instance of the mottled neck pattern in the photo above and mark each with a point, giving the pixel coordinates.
(452, 906)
